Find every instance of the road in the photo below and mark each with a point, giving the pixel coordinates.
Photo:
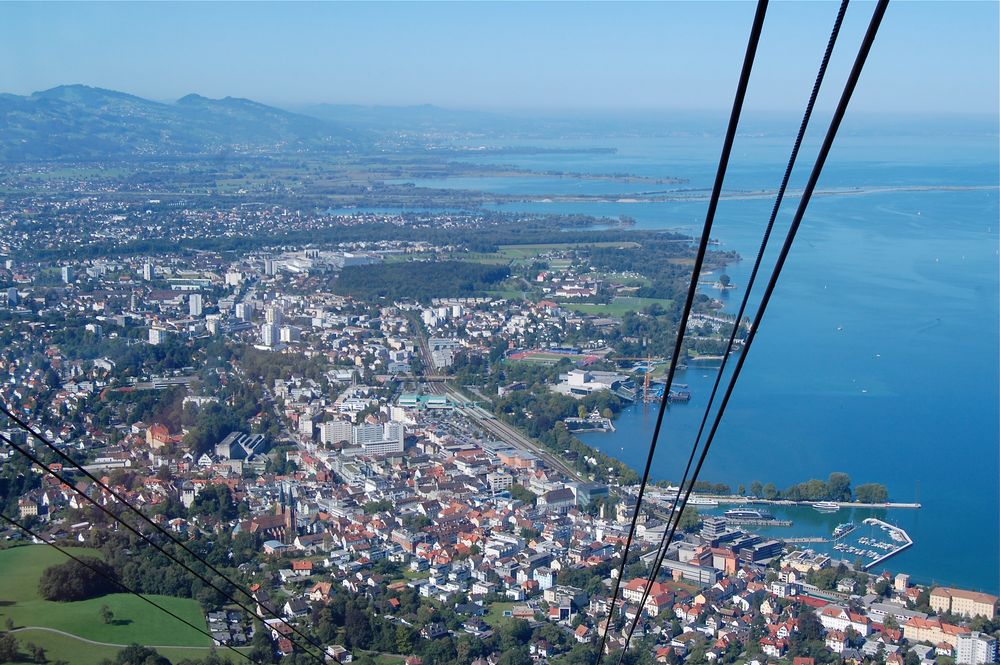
(106, 644)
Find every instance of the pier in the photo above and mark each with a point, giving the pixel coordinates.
(786, 502)
(905, 540)
(740, 521)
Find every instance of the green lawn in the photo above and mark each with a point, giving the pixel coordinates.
(71, 650)
(135, 621)
(410, 575)
(495, 616)
(617, 307)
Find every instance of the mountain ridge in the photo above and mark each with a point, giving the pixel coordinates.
(77, 121)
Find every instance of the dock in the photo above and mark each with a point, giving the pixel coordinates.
(807, 539)
(905, 542)
(739, 521)
(786, 502)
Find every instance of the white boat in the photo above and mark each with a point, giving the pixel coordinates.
(745, 514)
(826, 506)
(701, 501)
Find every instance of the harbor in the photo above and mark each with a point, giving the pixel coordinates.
(860, 537)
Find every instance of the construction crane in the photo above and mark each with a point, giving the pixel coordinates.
(648, 360)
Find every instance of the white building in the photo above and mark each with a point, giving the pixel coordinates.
(157, 335)
(268, 334)
(837, 618)
(379, 439)
(195, 304)
(274, 315)
(499, 482)
(148, 271)
(335, 431)
(290, 334)
(976, 648)
(244, 311)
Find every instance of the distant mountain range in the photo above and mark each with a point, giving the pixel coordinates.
(77, 121)
(81, 122)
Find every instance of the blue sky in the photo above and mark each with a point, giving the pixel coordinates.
(931, 57)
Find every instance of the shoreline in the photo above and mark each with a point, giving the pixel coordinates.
(788, 502)
(667, 197)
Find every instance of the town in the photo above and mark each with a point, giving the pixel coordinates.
(376, 438)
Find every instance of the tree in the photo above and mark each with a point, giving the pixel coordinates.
(756, 489)
(690, 519)
(871, 493)
(809, 626)
(581, 411)
(76, 580)
(37, 653)
(359, 628)
(373, 507)
(106, 614)
(135, 654)
(514, 634)
(8, 648)
(516, 656)
(838, 487)
(724, 280)
(9, 623)
(261, 649)
(770, 492)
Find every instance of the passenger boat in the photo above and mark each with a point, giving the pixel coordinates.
(748, 514)
(826, 506)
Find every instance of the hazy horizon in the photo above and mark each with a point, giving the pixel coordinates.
(930, 58)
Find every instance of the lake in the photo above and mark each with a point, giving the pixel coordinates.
(878, 355)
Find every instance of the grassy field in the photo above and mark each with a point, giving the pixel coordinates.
(134, 621)
(528, 251)
(617, 307)
(495, 616)
(77, 652)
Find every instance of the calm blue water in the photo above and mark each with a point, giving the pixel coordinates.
(879, 352)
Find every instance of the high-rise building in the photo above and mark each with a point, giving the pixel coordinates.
(335, 431)
(268, 334)
(157, 335)
(976, 648)
(269, 266)
(194, 304)
(148, 271)
(244, 311)
(67, 274)
(379, 439)
(274, 315)
(290, 334)
(12, 297)
(713, 527)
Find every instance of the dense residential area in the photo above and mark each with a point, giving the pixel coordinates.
(393, 472)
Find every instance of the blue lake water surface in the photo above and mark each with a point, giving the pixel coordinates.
(878, 355)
